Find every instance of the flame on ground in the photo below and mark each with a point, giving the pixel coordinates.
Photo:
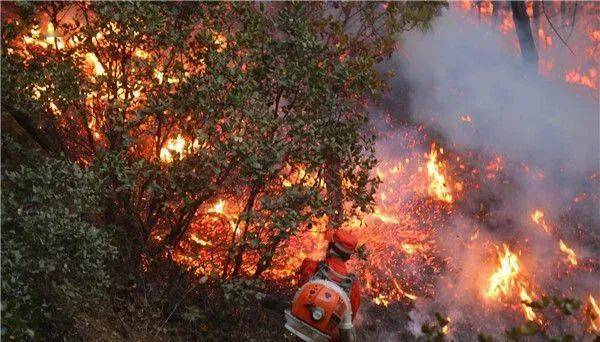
(438, 187)
(503, 279)
(218, 208)
(594, 313)
(571, 256)
(538, 217)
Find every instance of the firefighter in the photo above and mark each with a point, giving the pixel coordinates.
(340, 283)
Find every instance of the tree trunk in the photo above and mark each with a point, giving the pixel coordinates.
(46, 139)
(536, 22)
(563, 13)
(496, 13)
(333, 181)
(523, 30)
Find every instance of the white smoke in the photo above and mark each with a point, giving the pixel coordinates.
(463, 69)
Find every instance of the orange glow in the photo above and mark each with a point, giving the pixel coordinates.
(384, 218)
(524, 296)
(446, 328)
(506, 281)
(589, 79)
(174, 148)
(93, 61)
(218, 208)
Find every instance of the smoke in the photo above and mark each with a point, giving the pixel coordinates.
(460, 69)
(463, 69)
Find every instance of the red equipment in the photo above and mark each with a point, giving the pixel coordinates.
(327, 301)
(321, 308)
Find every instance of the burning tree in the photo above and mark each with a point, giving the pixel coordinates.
(219, 130)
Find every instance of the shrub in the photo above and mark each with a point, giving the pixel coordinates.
(54, 259)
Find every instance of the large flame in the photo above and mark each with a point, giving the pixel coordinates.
(502, 281)
(506, 281)
(400, 231)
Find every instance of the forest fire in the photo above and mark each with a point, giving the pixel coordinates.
(507, 280)
(430, 189)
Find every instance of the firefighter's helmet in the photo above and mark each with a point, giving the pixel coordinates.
(344, 241)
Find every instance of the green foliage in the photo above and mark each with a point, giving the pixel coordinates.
(240, 292)
(566, 306)
(192, 314)
(362, 252)
(434, 332)
(484, 338)
(54, 259)
(528, 329)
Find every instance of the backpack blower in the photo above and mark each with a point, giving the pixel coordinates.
(321, 308)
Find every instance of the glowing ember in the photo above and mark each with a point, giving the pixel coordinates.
(384, 218)
(569, 252)
(446, 328)
(465, 118)
(438, 187)
(93, 61)
(588, 79)
(405, 294)
(411, 249)
(200, 241)
(381, 300)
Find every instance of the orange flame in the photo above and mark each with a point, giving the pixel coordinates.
(538, 217)
(175, 146)
(503, 280)
(438, 187)
(594, 313)
(525, 298)
(571, 256)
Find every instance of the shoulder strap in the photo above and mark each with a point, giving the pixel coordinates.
(324, 271)
(346, 283)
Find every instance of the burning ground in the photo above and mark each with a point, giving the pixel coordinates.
(489, 203)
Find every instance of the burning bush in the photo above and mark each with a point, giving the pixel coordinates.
(221, 129)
